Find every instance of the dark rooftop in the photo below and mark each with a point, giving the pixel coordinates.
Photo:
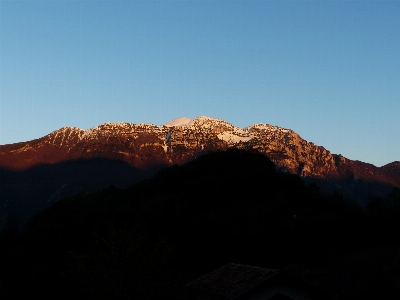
(231, 280)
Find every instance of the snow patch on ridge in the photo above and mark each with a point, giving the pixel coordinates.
(203, 121)
(182, 121)
(233, 138)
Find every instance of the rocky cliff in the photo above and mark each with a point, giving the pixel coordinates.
(147, 146)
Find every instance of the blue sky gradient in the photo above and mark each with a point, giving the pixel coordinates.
(329, 70)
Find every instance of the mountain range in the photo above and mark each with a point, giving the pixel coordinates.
(71, 160)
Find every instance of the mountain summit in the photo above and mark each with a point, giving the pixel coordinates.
(146, 147)
(182, 121)
(182, 139)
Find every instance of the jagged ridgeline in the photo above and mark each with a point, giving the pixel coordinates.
(144, 145)
(37, 173)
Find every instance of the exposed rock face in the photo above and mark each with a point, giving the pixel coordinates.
(145, 145)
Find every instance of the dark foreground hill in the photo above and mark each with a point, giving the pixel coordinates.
(24, 193)
(149, 240)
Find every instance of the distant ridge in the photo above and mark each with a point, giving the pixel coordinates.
(146, 147)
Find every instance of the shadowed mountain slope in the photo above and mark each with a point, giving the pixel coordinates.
(24, 193)
(149, 240)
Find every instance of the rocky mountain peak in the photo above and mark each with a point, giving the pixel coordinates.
(113, 153)
(65, 135)
(183, 139)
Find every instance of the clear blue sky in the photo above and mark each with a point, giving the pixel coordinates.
(329, 70)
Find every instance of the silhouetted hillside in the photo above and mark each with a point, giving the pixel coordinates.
(26, 192)
(149, 240)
